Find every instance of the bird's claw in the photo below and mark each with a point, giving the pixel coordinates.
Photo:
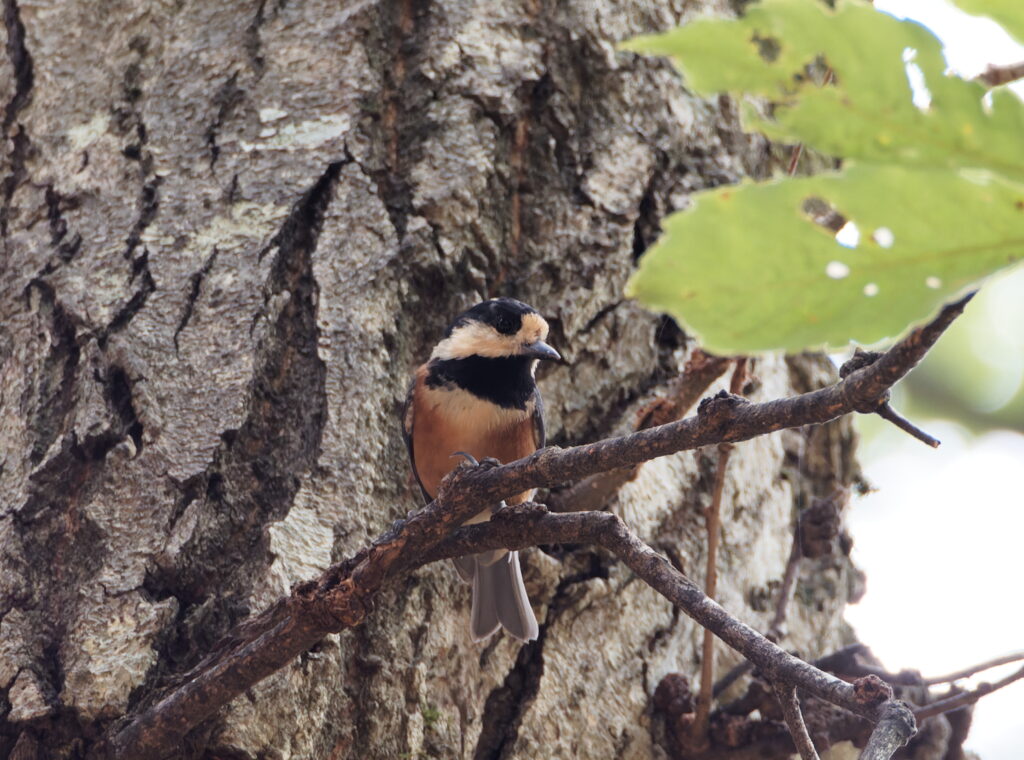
(487, 463)
(468, 457)
(507, 511)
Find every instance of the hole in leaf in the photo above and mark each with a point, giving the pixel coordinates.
(837, 270)
(871, 289)
(884, 237)
(818, 72)
(767, 47)
(920, 95)
(933, 282)
(848, 236)
(825, 215)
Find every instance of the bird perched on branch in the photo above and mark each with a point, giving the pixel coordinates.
(477, 396)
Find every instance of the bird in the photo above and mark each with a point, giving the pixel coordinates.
(477, 395)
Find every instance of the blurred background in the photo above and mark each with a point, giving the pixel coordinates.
(949, 523)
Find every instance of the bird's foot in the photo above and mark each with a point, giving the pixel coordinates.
(470, 459)
(487, 463)
(508, 511)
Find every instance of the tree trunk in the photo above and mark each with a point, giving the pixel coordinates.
(229, 231)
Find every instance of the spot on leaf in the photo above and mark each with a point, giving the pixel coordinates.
(767, 47)
(884, 237)
(823, 213)
(837, 270)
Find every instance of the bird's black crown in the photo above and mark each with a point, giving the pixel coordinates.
(503, 314)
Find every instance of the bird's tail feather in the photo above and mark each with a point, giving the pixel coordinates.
(499, 599)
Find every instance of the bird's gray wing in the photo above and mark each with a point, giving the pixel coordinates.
(408, 422)
(538, 419)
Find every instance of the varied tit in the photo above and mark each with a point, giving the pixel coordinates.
(477, 395)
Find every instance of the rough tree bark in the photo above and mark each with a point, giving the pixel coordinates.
(229, 230)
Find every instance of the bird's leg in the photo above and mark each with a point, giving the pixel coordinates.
(487, 463)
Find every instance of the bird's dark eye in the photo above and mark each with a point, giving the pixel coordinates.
(504, 325)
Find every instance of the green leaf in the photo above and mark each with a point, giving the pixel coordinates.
(935, 189)
(749, 270)
(865, 112)
(1007, 13)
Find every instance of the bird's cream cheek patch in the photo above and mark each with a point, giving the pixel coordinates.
(474, 339)
(534, 328)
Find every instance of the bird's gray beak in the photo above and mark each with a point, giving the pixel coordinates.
(541, 350)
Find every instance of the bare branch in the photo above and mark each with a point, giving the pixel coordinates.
(967, 698)
(842, 660)
(1006, 659)
(713, 526)
(798, 149)
(595, 491)
(886, 412)
(794, 158)
(713, 518)
(341, 596)
(894, 728)
(528, 525)
(700, 372)
(735, 673)
(721, 419)
(795, 721)
(813, 534)
(993, 76)
(777, 629)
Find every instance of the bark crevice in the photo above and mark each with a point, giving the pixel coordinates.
(24, 80)
(195, 284)
(255, 472)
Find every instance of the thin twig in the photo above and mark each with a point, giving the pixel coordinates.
(518, 527)
(735, 673)
(1006, 659)
(712, 518)
(893, 730)
(713, 525)
(341, 597)
(700, 372)
(798, 149)
(841, 660)
(794, 158)
(886, 412)
(790, 705)
(596, 491)
(993, 76)
(776, 631)
(967, 698)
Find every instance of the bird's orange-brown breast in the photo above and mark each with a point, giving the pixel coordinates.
(446, 420)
